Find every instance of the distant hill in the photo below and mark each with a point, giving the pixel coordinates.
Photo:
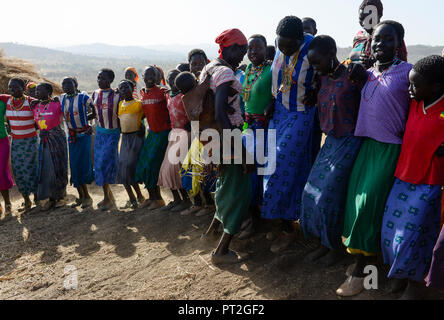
(85, 61)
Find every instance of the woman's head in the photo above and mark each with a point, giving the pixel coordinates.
(197, 60)
(69, 85)
(232, 46)
(151, 76)
(105, 78)
(30, 89)
(171, 77)
(290, 35)
(43, 91)
(388, 41)
(427, 78)
(131, 74)
(368, 19)
(322, 53)
(271, 52)
(257, 49)
(185, 82)
(16, 87)
(126, 88)
(310, 26)
(183, 66)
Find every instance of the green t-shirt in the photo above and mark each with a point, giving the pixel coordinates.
(3, 133)
(260, 94)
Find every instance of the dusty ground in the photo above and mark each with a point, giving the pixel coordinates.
(150, 255)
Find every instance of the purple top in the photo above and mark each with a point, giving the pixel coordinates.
(384, 105)
(338, 105)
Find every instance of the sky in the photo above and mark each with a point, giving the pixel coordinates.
(167, 22)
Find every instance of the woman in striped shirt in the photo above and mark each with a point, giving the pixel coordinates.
(24, 148)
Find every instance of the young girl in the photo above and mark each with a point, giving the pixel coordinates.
(323, 198)
(381, 122)
(24, 148)
(53, 155)
(6, 182)
(154, 103)
(77, 109)
(133, 133)
(169, 176)
(412, 215)
(106, 143)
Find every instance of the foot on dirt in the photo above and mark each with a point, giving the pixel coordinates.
(351, 287)
(414, 291)
(248, 232)
(316, 254)
(107, 206)
(156, 204)
(129, 205)
(87, 203)
(205, 211)
(60, 203)
(283, 242)
(182, 206)
(331, 258)
(25, 207)
(146, 203)
(171, 205)
(190, 210)
(141, 200)
(77, 203)
(230, 258)
(47, 206)
(398, 285)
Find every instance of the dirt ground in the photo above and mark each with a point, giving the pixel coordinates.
(151, 255)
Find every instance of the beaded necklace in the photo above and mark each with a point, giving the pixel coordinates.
(251, 78)
(22, 103)
(287, 73)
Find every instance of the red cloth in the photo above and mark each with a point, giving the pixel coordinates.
(229, 37)
(154, 104)
(424, 133)
(178, 115)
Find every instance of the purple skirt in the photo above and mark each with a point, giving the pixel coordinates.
(6, 182)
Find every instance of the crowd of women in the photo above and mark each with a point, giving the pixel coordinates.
(373, 187)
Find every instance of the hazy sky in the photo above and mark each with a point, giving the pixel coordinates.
(147, 22)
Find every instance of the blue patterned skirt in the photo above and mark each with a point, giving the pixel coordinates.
(410, 228)
(323, 199)
(292, 160)
(80, 161)
(106, 156)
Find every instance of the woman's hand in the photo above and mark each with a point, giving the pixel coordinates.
(269, 110)
(356, 73)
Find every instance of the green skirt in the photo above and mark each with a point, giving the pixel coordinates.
(370, 183)
(233, 197)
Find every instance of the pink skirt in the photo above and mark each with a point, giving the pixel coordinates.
(169, 176)
(6, 182)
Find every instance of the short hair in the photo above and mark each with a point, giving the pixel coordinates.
(171, 73)
(19, 81)
(185, 82)
(291, 27)
(131, 84)
(47, 86)
(431, 68)
(72, 79)
(110, 73)
(259, 36)
(156, 71)
(309, 20)
(271, 52)
(400, 32)
(324, 44)
(376, 3)
(183, 67)
(196, 52)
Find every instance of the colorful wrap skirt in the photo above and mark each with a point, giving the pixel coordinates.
(410, 228)
(6, 182)
(369, 186)
(323, 199)
(232, 197)
(169, 176)
(130, 149)
(151, 157)
(53, 164)
(25, 161)
(106, 155)
(80, 160)
(292, 162)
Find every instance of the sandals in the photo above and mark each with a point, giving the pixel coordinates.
(230, 258)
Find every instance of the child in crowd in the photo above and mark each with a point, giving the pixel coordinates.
(154, 103)
(412, 214)
(30, 89)
(323, 198)
(53, 153)
(106, 153)
(310, 26)
(24, 147)
(133, 134)
(131, 75)
(77, 109)
(197, 60)
(177, 149)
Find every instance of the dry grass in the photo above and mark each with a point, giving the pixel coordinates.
(12, 67)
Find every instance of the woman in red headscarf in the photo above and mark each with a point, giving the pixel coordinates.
(233, 187)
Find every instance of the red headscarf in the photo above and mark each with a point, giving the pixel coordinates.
(229, 37)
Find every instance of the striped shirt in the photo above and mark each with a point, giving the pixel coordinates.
(302, 77)
(106, 103)
(75, 110)
(21, 119)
